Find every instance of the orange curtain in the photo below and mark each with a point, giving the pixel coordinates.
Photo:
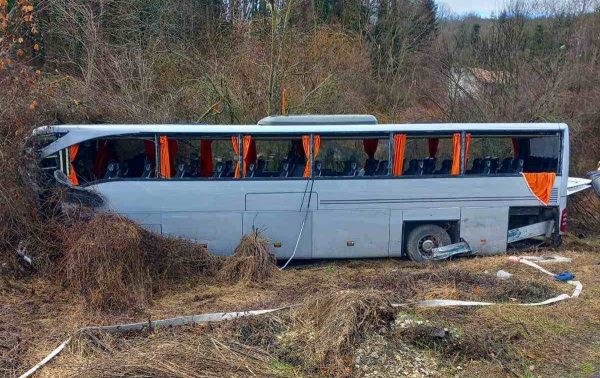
(467, 146)
(399, 147)
(236, 150)
(370, 146)
(72, 154)
(540, 184)
(432, 144)
(455, 154)
(206, 161)
(306, 147)
(516, 149)
(249, 152)
(165, 157)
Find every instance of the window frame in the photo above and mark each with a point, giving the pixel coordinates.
(518, 134)
(384, 134)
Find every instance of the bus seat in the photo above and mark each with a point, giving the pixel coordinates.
(506, 166)
(219, 168)
(260, 167)
(352, 169)
(298, 170)
(476, 167)
(112, 170)
(134, 167)
(382, 168)
(318, 168)
(147, 173)
(250, 170)
(412, 167)
(445, 168)
(487, 167)
(347, 168)
(180, 170)
(371, 166)
(495, 165)
(420, 168)
(125, 170)
(284, 170)
(228, 169)
(517, 166)
(429, 165)
(194, 165)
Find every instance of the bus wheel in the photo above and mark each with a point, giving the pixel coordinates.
(423, 239)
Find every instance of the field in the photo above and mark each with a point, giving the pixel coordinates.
(340, 323)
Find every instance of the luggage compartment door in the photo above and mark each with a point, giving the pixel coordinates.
(219, 231)
(485, 229)
(282, 229)
(351, 233)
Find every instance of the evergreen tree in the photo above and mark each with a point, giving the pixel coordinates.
(428, 18)
(475, 35)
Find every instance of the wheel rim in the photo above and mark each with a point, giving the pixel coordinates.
(426, 245)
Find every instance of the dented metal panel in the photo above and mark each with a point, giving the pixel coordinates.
(530, 231)
(485, 228)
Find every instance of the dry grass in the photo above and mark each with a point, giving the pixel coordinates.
(252, 260)
(116, 265)
(191, 352)
(338, 309)
(327, 327)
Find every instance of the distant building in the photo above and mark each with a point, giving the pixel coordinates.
(474, 82)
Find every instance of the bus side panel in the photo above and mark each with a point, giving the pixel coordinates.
(485, 229)
(282, 229)
(220, 231)
(151, 221)
(396, 233)
(351, 233)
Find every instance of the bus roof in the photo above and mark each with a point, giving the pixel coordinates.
(320, 119)
(79, 133)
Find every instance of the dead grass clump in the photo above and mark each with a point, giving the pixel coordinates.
(494, 342)
(116, 264)
(252, 260)
(326, 327)
(187, 352)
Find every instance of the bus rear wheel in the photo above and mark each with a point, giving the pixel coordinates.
(423, 239)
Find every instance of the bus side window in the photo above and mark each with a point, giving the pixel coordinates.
(491, 155)
(277, 158)
(353, 157)
(114, 158)
(543, 154)
(428, 156)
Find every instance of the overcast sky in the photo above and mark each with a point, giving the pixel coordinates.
(482, 7)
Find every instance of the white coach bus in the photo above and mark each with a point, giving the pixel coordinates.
(325, 186)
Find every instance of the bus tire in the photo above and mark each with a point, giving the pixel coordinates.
(422, 239)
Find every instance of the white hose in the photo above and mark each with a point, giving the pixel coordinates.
(312, 181)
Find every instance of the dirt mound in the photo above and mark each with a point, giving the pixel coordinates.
(328, 326)
(252, 261)
(116, 264)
